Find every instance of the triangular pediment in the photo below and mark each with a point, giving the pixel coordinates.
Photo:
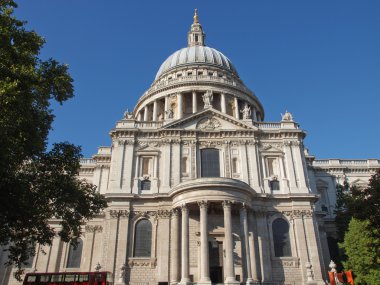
(210, 120)
(146, 148)
(359, 182)
(271, 148)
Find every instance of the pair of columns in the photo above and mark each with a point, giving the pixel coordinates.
(229, 268)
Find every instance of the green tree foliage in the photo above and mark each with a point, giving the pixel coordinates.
(364, 204)
(36, 185)
(342, 215)
(362, 249)
(358, 224)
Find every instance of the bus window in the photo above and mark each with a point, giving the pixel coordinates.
(57, 278)
(31, 278)
(69, 277)
(44, 278)
(83, 278)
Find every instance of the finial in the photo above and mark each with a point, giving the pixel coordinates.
(196, 16)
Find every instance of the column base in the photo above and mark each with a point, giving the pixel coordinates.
(249, 281)
(231, 280)
(205, 281)
(185, 281)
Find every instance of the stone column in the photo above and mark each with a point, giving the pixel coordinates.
(229, 244)
(128, 166)
(236, 103)
(154, 111)
(185, 246)
(174, 248)
(254, 163)
(122, 242)
(290, 167)
(312, 237)
(163, 247)
(179, 107)
(245, 243)
(223, 103)
(135, 187)
(254, 116)
(115, 179)
(299, 164)
(205, 268)
(301, 241)
(146, 113)
(255, 264)
(195, 102)
(139, 116)
(263, 240)
(166, 104)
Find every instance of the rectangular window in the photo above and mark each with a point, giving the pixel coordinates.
(57, 278)
(31, 278)
(146, 165)
(210, 166)
(272, 166)
(70, 278)
(44, 278)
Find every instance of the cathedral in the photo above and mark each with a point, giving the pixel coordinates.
(201, 189)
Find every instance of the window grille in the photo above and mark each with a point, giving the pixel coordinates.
(75, 255)
(281, 240)
(210, 166)
(143, 239)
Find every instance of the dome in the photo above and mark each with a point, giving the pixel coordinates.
(196, 54)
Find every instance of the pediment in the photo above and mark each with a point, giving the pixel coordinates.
(268, 148)
(359, 182)
(146, 148)
(210, 120)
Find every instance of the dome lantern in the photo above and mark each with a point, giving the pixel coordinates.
(196, 36)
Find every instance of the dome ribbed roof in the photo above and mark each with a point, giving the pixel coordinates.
(196, 55)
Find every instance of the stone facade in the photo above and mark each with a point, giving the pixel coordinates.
(207, 228)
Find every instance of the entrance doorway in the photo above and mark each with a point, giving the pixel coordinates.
(215, 250)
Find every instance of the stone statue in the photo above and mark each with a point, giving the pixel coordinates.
(128, 114)
(97, 267)
(169, 114)
(287, 117)
(207, 99)
(246, 112)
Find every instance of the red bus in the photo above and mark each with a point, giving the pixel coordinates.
(69, 278)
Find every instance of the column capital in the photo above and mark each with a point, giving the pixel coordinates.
(202, 204)
(243, 208)
(184, 208)
(227, 203)
(175, 212)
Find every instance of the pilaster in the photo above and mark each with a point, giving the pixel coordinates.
(263, 240)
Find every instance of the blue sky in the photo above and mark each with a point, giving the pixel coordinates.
(318, 59)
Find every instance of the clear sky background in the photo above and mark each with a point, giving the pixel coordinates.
(318, 59)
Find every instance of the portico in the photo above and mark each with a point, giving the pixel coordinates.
(204, 204)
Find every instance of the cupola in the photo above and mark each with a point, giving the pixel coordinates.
(196, 36)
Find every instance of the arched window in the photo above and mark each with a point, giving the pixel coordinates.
(143, 239)
(210, 163)
(281, 240)
(75, 255)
